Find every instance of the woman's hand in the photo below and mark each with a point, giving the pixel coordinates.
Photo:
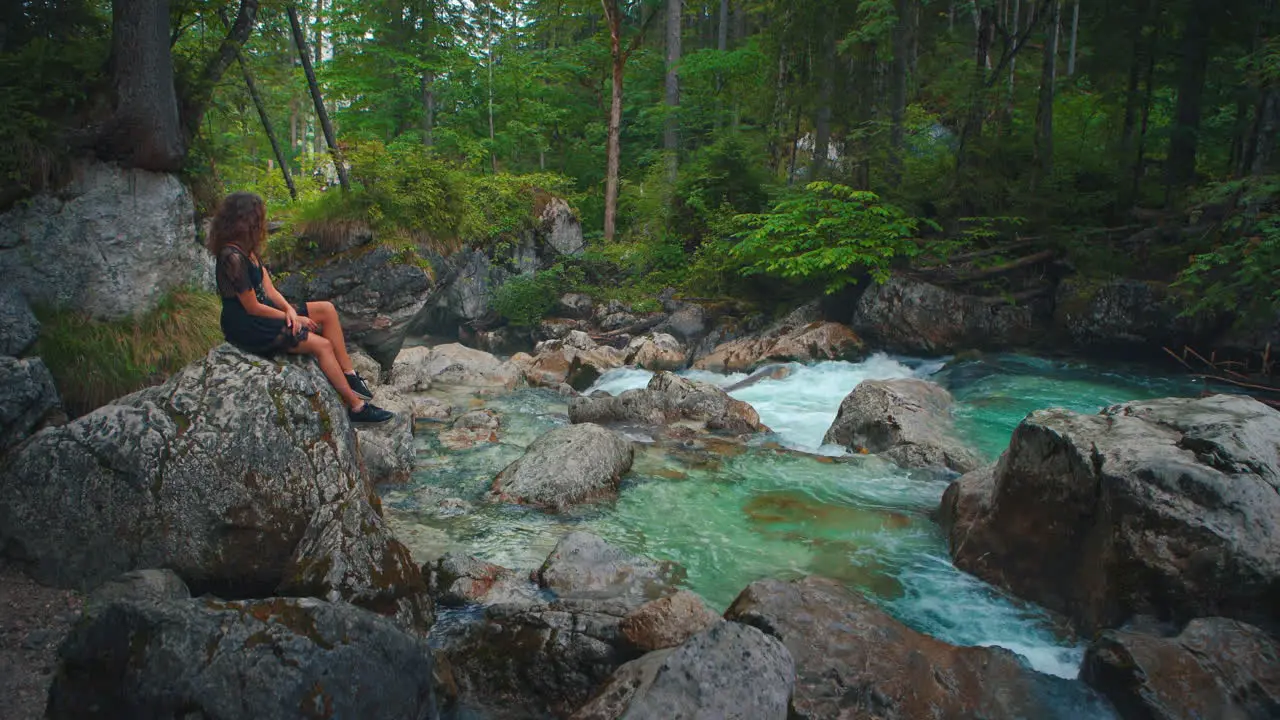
(309, 324)
(291, 320)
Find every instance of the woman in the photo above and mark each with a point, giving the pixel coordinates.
(256, 318)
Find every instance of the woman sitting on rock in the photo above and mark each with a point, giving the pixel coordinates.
(256, 318)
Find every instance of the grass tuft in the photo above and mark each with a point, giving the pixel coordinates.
(94, 361)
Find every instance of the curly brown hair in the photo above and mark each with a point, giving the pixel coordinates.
(241, 220)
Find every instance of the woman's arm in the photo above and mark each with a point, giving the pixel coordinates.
(249, 299)
(269, 287)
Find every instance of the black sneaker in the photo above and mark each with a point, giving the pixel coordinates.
(370, 414)
(359, 387)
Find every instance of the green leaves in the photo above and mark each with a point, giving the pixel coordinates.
(829, 234)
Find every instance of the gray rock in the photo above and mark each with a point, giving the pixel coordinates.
(1129, 315)
(854, 660)
(576, 305)
(618, 321)
(667, 622)
(667, 399)
(565, 467)
(1167, 508)
(907, 421)
(727, 671)
(420, 368)
(1216, 668)
(658, 351)
(378, 296)
(111, 243)
(220, 474)
(687, 321)
(143, 586)
(909, 316)
(457, 580)
(387, 448)
(542, 659)
(19, 328)
(561, 231)
(584, 566)
(266, 659)
(27, 399)
(788, 341)
(366, 366)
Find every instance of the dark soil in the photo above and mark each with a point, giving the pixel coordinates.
(33, 621)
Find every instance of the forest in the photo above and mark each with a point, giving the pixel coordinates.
(750, 148)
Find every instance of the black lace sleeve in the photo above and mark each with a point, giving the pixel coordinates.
(233, 275)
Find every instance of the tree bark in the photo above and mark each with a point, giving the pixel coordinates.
(1044, 110)
(1181, 165)
(822, 118)
(301, 41)
(488, 42)
(614, 15)
(1075, 31)
(722, 42)
(266, 124)
(145, 130)
(671, 129)
(898, 102)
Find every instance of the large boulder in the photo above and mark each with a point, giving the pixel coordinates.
(27, 399)
(1216, 668)
(377, 291)
(726, 671)
(418, 369)
(1169, 508)
(667, 621)
(267, 659)
(910, 316)
(854, 660)
(112, 243)
(801, 336)
(585, 566)
(1132, 316)
(906, 420)
(658, 351)
(669, 398)
(19, 328)
(240, 474)
(575, 360)
(565, 467)
(560, 231)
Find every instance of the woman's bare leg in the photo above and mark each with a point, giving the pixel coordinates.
(331, 329)
(323, 350)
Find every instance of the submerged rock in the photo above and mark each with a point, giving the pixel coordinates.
(584, 566)
(854, 660)
(112, 243)
(19, 328)
(800, 337)
(907, 421)
(236, 473)
(28, 398)
(1216, 668)
(668, 399)
(565, 467)
(1167, 508)
(266, 659)
(910, 316)
(418, 369)
(726, 671)
(472, 428)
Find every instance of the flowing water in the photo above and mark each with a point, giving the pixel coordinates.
(785, 506)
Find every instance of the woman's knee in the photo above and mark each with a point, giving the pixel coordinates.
(316, 345)
(322, 308)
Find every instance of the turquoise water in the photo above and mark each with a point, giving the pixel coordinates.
(786, 505)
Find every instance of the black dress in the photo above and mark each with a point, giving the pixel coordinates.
(237, 272)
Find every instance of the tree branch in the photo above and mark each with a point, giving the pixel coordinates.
(194, 96)
(1020, 40)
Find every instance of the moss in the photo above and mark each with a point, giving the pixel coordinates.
(277, 399)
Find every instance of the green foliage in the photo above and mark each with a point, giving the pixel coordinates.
(1240, 273)
(827, 234)
(722, 180)
(94, 362)
(526, 299)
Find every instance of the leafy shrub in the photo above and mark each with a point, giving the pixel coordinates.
(94, 362)
(826, 234)
(646, 305)
(525, 299)
(724, 179)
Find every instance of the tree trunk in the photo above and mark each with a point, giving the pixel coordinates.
(1044, 110)
(428, 108)
(614, 16)
(671, 130)
(722, 42)
(1075, 31)
(266, 124)
(1181, 164)
(145, 131)
(898, 107)
(317, 58)
(300, 39)
(1262, 154)
(822, 119)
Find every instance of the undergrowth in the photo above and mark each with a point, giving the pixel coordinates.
(94, 361)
